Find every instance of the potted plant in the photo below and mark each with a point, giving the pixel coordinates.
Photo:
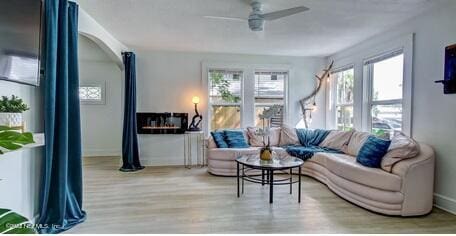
(11, 111)
(266, 151)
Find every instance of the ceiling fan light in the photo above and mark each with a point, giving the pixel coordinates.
(256, 24)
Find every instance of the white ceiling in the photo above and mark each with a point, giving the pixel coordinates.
(179, 25)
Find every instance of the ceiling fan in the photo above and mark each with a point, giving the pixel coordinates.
(257, 18)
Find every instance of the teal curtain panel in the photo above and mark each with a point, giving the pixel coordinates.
(130, 149)
(61, 196)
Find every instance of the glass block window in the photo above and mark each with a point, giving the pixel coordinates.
(91, 94)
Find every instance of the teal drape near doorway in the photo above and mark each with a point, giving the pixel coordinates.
(130, 149)
(61, 195)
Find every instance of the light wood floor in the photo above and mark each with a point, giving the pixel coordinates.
(178, 200)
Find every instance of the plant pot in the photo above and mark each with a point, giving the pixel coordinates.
(266, 154)
(11, 119)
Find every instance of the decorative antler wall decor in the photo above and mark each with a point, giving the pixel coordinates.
(305, 102)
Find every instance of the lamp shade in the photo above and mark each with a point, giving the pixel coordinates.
(195, 99)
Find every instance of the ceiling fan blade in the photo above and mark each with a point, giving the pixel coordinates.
(284, 13)
(226, 18)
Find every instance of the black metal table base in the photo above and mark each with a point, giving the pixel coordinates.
(267, 178)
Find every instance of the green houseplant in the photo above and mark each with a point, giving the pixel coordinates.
(13, 223)
(11, 111)
(11, 139)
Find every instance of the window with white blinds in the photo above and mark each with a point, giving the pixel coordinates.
(225, 98)
(269, 91)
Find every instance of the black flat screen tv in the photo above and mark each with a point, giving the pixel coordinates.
(20, 37)
(450, 70)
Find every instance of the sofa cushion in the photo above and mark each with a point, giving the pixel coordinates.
(219, 139)
(402, 147)
(288, 136)
(235, 139)
(356, 142)
(337, 140)
(319, 158)
(372, 152)
(347, 167)
(257, 141)
(230, 154)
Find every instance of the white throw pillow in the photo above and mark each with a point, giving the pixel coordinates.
(257, 141)
(401, 147)
(337, 140)
(356, 142)
(288, 136)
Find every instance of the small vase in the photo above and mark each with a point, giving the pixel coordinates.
(266, 154)
(11, 119)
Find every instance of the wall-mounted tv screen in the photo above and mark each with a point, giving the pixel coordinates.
(20, 28)
(450, 70)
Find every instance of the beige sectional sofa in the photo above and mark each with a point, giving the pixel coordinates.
(406, 191)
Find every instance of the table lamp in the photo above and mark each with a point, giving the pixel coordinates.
(197, 118)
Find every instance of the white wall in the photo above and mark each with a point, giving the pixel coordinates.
(20, 171)
(433, 113)
(167, 81)
(101, 124)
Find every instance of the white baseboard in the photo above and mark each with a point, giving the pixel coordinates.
(101, 152)
(445, 203)
(161, 161)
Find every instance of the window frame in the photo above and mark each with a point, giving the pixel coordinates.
(285, 91)
(369, 78)
(102, 101)
(240, 104)
(358, 56)
(248, 103)
(333, 94)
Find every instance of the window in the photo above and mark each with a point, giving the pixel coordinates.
(386, 76)
(269, 90)
(225, 98)
(92, 94)
(344, 84)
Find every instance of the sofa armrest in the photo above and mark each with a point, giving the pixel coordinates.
(417, 181)
(210, 143)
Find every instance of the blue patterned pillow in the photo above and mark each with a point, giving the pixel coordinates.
(372, 152)
(235, 139)
(219, 139)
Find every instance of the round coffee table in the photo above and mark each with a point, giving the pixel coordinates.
(247, 164)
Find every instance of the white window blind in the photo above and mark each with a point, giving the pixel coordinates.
(270, 84)
(269, 91)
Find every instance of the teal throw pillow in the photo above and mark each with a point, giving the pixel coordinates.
(372, 152)
(235, 139)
